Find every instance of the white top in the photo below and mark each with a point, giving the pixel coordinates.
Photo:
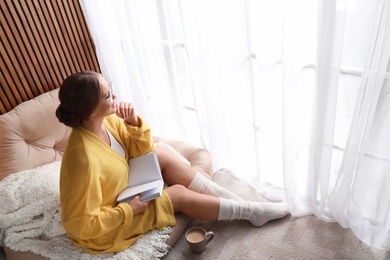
(116, 145)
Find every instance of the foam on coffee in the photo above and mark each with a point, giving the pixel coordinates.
(195, 236)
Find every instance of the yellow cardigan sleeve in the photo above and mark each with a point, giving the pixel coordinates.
(136, 140)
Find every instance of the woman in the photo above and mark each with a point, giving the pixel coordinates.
(94, 171)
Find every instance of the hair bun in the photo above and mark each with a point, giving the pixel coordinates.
(67, 118)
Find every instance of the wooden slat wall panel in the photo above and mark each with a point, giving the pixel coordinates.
(41, 43)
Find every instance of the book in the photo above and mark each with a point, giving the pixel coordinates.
(144, 177)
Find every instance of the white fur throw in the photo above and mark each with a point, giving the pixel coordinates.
(30, 219)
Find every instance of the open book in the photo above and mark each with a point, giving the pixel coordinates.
(144, 177)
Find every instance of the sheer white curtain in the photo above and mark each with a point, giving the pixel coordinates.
(146, 62)
(291, 95)
(339, 168)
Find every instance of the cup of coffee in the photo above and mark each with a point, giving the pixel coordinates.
(197, 238)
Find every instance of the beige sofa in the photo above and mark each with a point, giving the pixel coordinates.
(31, 136)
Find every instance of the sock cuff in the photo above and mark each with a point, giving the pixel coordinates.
(197, 182)
(224, 209)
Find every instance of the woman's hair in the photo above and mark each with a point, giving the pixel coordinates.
(79, 96)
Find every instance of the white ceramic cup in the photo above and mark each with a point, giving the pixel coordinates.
(197, 239)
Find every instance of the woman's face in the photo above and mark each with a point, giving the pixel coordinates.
(106, 104)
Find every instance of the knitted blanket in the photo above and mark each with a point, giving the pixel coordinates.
(30, 220)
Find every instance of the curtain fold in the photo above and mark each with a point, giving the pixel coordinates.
(361, 198)
(294, 100)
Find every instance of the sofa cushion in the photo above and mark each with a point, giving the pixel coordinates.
(31, 135)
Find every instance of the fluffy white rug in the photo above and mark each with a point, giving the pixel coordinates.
(30, 220)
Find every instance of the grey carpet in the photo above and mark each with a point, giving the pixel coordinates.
(288, 238)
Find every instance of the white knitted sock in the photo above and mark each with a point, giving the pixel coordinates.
(258, 213)
(203, 185)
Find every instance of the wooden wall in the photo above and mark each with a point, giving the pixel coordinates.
(41, 43)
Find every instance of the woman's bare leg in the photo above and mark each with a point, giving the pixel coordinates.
(193, 204)
(173, 169)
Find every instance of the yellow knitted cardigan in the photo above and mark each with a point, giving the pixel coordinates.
(92, 176)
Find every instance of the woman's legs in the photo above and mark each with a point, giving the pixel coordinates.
(177, 172)
(193, 204)
(206, 207)
(174, 171)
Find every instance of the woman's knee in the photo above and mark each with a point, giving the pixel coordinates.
(177, 194)
(177, 190)
(163, 156)
(160, 152)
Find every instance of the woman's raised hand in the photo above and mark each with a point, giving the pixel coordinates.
(127, 112)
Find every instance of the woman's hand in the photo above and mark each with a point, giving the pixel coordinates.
(127, 112)
(138, 206)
